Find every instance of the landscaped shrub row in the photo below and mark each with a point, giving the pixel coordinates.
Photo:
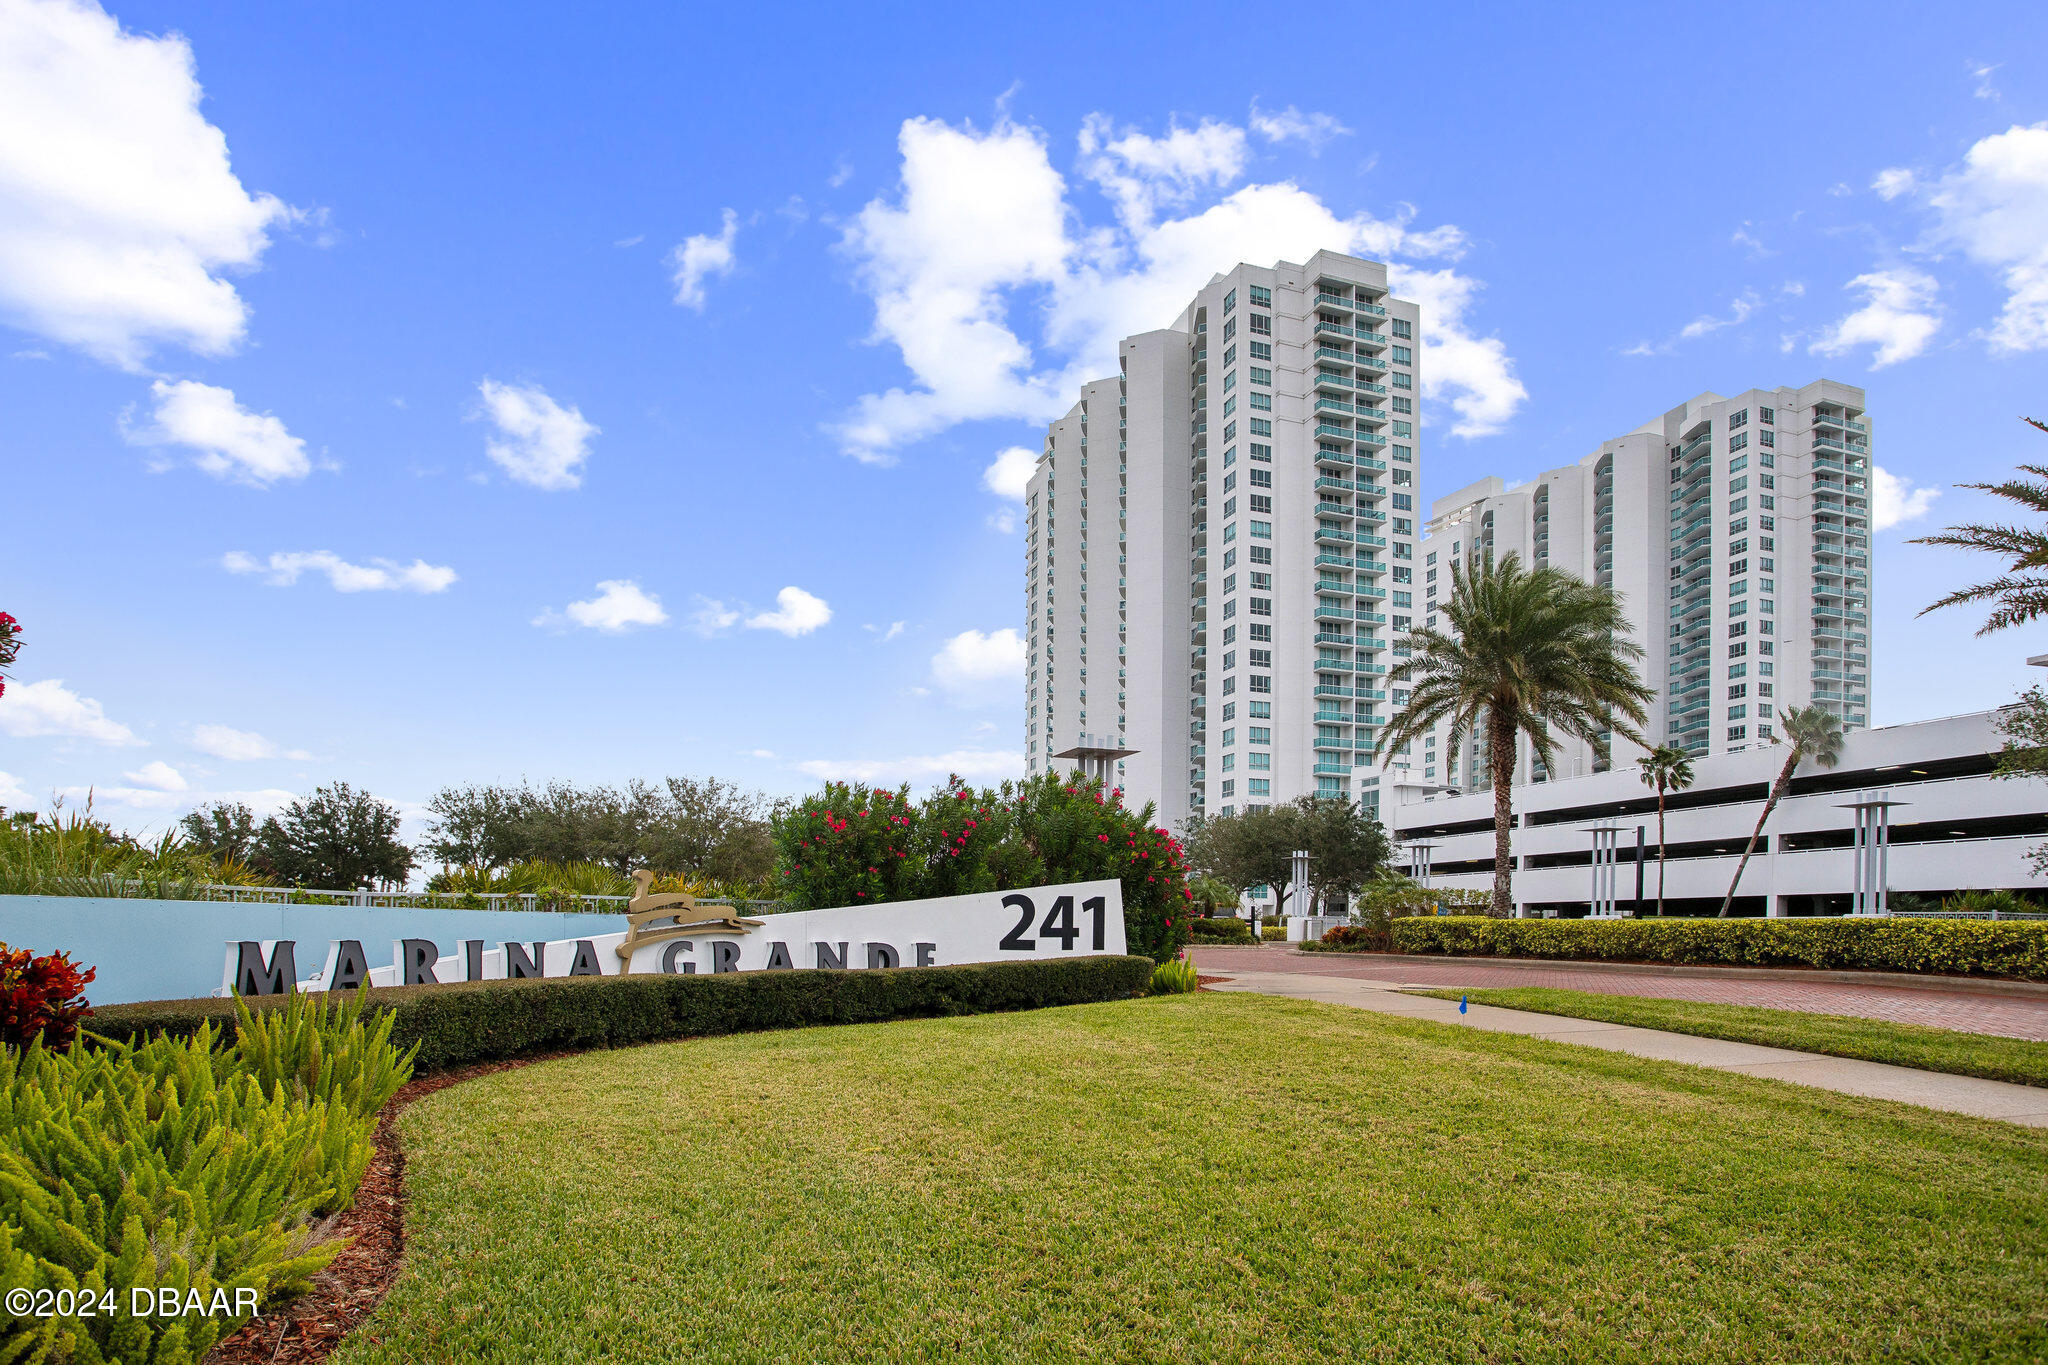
(1953, 947)
(186, 1164)
(465, 1022)
(1220, 930)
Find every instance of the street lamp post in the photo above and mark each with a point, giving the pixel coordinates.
(1873, 850)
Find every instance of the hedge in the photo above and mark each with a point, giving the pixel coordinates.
(2017, 950)
(479, 1021)
(1220, 930)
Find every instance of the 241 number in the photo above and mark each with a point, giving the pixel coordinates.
(1059, 923)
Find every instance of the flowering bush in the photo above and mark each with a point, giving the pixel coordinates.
(41, 997)
(852, 844)
(10, 647)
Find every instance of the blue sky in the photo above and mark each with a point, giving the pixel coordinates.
(425, 395)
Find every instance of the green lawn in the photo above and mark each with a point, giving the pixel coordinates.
(1836, 1035)
(1211, 1177)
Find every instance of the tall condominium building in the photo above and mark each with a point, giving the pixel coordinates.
(1736, 532)
(1252, 473)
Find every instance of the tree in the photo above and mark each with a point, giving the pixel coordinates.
(1527, 651)
(1346, 847)
(1813, 733)
(712, 827)
(10, 647)
(1667, 768)
(2025, 726)
(1252, 848)
(337, 837)
(474, 826)
(2021, 593)
(688, 826)
(1212, 892)
(224, 831)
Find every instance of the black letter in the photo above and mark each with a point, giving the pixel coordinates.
(882, 955)
(586, 960)
(253, 978)
(778, 957)
(519, 967)
(473, 956)
(725, 957)
(924, 953)
(351, 969)
(668, 958)
(417, 965)
(828, 958)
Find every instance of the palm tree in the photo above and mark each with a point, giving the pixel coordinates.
(1529, 651)
(1667, 768)
(2021, 593)
(1213, 891)
(1813, 733)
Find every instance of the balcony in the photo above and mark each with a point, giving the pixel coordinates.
(1333, 614)
(1334, 405)
(1335, 562)
(1325, 431)
(1333, 690)
(1333, 718)
(1334, 743)
(1333, 509)
(1341, 485)
(1335, 301)
(1333, 329)
(1331, 535)
(1336, 459)
(1331, 637)
(1333, 767)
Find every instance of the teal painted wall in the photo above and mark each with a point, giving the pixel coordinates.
(172, 950)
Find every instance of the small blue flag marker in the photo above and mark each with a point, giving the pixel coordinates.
(1461, 1004)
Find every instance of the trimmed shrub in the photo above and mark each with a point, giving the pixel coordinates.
(852, 844)
(177, 1163)
(1219, 930)
(477, 1021)
(2014, 949)
(1177, 977)
(1273, 933)
(41, 997)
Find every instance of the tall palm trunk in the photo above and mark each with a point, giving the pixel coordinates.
(1500, 744)
(1777, 790)
(1660, 846)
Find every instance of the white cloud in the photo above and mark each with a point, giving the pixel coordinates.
(539, 442)
(229, 441)
(13, 796)
(1010, 473)
(619, 606)
(712, 616)
(239, 746)
(1982, 73)
(975, 765)
(701, 257)
(842, 172)
(1291, 125)
(1739, 309)
(379, 575)
(796, 613)
(1994, 209)
(158, 775)
(1003, 522)
(981, 220)
(122, 214)
(1890, 184)
(50, 709)
(1750, 242)
(1898, 317)
(894, 629)
(1897, 500)
(157, 801)
(979, 668)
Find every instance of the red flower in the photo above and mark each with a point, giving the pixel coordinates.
(1103, 837)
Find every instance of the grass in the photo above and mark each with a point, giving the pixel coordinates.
(1210, 1177)
(1833, 1035)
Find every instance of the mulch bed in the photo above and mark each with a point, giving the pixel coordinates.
(1202, 983)
(307, 1328)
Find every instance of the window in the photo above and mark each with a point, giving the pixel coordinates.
(1229, 637)
(1767, 416)
(1229, 355)
(1403, 452)
(1738, 464)
(1262, 580)
(1229, 607)
(1258, 324)
(1230, 405)
(1738, 440)
(1737, 651)
(1262, 530)
(1738, 731)
(1261, 502)
(1260, 682)
(1258, 786)
(1259, 632)
(1404, 405)
(1261, 350)
(1262, 554)
(1259, 762)
(1262, 402)
(1400, 379)
(1259, 376)
(1261, 606)
(1261, 478)
(1402, 355)
(1737, 629)
(1399, 327)
(1229, 380)
(1405, 430)
(1229, 456)
(1258, 295)
(1230, 431)
(1229, 661)
(1740, 419)
(1229, 713)
(1403, 503)
(1259, 734)
(1737, 712)
(1258, 658)
(1230, 329)
(1261, 426)
(1230, 787)
(1738, 691)
(1259, 710)
(1767, 502)
(1230, 507)
(1263, 454)
(1229, 532)
(1767, 438)
(1230, 301)
(1229, 482)
(1229, 736)
(1737, 485)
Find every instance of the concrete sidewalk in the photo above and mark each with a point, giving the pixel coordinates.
(2022, 1104)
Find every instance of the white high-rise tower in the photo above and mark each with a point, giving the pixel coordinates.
(1238, 507)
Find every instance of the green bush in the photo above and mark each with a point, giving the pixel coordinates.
(2015, 949)
(1177, 977)
(464, 1022)
(1220, 930)
(177, 1163)
(852, 844)
(1273, 933)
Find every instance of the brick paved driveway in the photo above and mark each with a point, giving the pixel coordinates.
(1971, 1011)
